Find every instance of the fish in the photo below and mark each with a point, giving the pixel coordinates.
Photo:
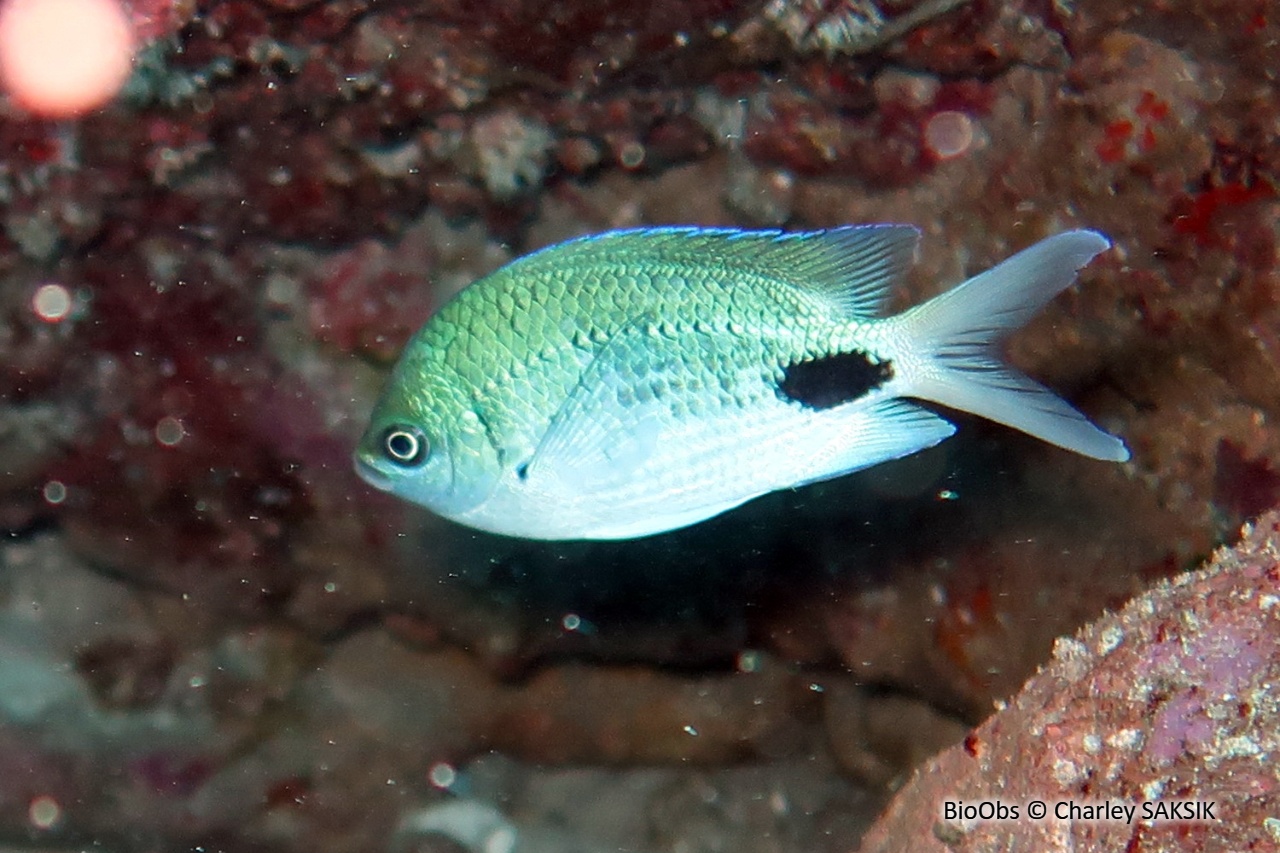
(636, 381)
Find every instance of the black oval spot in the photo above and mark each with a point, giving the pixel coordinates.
(829, 381)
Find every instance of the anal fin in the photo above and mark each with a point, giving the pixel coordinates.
(863, 434)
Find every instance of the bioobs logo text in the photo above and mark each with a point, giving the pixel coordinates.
(983, 810)
(1115, 811)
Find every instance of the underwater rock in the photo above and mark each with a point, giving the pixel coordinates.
(433, 704)
(1173, 698)
(879, 739)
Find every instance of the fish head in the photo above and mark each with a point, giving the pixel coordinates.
(426, 444)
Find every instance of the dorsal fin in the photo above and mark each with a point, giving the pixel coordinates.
(853, 266)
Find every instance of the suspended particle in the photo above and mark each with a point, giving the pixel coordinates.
(64, 58)
(573, 623)
(948, 134)
(51, 303)
(631, 155)
(169, 431)
(442, 775)
(44, 812)
(54, 492)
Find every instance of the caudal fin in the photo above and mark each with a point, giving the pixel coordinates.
(957, 334)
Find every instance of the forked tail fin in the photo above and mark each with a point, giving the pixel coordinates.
(957, 333)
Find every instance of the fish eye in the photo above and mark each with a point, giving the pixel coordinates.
(405, 446)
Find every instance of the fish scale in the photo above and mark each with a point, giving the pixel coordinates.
(622, 292)
(635, 381)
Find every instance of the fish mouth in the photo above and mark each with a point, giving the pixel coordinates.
(372, 475)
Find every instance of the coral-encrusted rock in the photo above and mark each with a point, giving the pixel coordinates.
(1174, 698)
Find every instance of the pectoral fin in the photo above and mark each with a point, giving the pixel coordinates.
(611, 422)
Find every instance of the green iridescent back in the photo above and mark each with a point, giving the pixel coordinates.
(521, 337)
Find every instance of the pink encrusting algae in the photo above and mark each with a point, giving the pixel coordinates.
(1173, 699)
